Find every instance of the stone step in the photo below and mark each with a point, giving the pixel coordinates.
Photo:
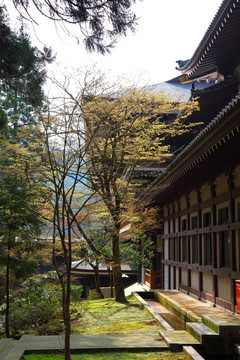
(177, 338)
(226, 325)
(182, 313)
(6, 345)
(201, 332)
(191, 353)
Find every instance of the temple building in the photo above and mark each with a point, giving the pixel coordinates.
(198, 243)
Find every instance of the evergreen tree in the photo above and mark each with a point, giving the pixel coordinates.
(100, 21)
(22, 76)
(22, 66)
(20, 222)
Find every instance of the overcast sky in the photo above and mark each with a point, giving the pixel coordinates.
(168, 30)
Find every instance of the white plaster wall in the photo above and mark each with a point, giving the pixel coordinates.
(205, 192)
(166, 254)
(224, 288)
(166, 277)
(194, 280)
(193, 198)
(221, 185)
(177, 278)
(184, 276)
(207, 283)
(172, 277)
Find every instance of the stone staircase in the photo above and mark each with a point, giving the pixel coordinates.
(199, 336)
(176, 339)
(209, 332)
(216, 334)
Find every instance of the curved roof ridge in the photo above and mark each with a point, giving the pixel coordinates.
(207, 129)
(214, 122)
(210, 37)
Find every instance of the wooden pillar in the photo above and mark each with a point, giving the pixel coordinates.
(200, 279)
(163, 256)
(231, 219)
(169, 250)
(179, 240)
(214, 241)
(188, 246)
(174, 246)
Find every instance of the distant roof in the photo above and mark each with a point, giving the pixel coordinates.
(216, 54)
(177, 89)
(86, 268)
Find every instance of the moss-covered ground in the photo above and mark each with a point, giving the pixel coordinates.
(112, 356)
(109, 317)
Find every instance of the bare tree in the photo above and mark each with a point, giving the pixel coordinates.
(64, 161)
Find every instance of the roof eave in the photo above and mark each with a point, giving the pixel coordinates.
(161, 181)
(211, 35)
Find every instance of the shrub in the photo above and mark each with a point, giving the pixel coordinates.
(94, 295)
(37, 306)
(37, 303)
(32, 316)
(50, 329)
(76, 292)
(19, 320)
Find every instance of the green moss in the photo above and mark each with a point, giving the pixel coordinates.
(209, 323)
(111, 356)
(173, 320)
(181, 312)
(107, 316)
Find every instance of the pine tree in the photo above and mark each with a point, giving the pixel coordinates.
(100, 21)
(20, 222)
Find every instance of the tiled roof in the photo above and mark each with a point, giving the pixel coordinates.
(219, 45)
(193, 144)
(177, 89)
(215, 122)
(85, 267)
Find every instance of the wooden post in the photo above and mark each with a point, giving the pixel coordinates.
(231, 219)
(200, 277)
(188, 246)
(214, 241)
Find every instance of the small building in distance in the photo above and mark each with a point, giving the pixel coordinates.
(199, 192)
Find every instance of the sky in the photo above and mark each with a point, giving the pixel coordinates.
(167, 31)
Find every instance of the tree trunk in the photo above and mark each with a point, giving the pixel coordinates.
(68, 263)
(67, 324)
(110, 279)
(97, 279)
(117, 273)
(67, 319)
(7, 287)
